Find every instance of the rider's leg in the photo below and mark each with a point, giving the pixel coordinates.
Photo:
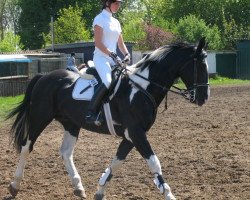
(91, 115)
(103, 68)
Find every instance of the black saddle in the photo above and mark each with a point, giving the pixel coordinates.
(92, 71)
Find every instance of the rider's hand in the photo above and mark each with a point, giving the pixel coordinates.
(127, 58)
(115, 58)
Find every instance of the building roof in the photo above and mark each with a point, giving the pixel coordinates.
(14, 58)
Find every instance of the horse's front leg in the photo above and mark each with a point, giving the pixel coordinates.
(155, 167)
(123, 150)
(15, 185)
(141, 143)
(66, 152)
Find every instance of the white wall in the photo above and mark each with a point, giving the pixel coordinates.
(136, 56)
(211, 61)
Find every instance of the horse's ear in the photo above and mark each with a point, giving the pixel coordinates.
(201, 45)
(206, 46)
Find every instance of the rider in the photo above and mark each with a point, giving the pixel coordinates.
(107, 35)
(71, 63)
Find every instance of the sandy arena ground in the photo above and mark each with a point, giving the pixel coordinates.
(204, 153)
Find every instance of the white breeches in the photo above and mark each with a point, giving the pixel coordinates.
(73, 68)
(103, 67)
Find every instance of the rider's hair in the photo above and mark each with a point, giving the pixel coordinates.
(107, 3)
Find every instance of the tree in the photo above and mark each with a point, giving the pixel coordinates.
(2, 18)
(214, 13)
(69, 26)
(239, 11)
(33, 21)
(10, 43)
(142, 25)
(232, 32)
(133, 31)
(9, 13)
(156, 37)
(191, 29)
(36, 16)
(89, 8)
(13, 13)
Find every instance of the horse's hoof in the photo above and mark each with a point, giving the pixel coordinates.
(100, 197)
(170, 196)
(13, 191)
(80, 193)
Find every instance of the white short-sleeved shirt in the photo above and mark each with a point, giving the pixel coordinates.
(71, 61)
(111, 30)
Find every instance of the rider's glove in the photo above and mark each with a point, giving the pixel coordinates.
(115, 58)
(127, 58)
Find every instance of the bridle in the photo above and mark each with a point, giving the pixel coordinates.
(188, 94)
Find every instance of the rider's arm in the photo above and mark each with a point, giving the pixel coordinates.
(98, 34)
(74, 60)
(122, 45)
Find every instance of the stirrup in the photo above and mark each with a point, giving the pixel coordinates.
(93, 118)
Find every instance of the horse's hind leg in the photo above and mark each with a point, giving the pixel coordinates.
(25, 138)
(66, 151)
(123, 150)
(15, 185)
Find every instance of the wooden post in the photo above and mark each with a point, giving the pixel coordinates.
(52, 33)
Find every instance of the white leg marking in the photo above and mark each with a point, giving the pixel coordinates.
(105, 176)
(126, 135)
(115, 165)
(21, 165)
(155, 167)
(66, 152)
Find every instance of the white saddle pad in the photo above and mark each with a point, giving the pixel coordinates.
(84, 89)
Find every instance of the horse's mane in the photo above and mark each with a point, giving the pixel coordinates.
(160, 54)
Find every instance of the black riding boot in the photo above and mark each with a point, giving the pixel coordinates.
(91, 115)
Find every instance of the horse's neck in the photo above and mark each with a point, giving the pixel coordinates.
(140, 77)
(154, 87)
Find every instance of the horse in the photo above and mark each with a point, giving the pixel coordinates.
(133, 107)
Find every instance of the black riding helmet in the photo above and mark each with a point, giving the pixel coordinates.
(107, 3)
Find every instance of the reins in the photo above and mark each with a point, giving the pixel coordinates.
(180, 91)
(188, 94)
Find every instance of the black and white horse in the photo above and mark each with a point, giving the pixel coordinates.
(133, 109)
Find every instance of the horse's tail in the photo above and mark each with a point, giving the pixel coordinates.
(19, 129)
